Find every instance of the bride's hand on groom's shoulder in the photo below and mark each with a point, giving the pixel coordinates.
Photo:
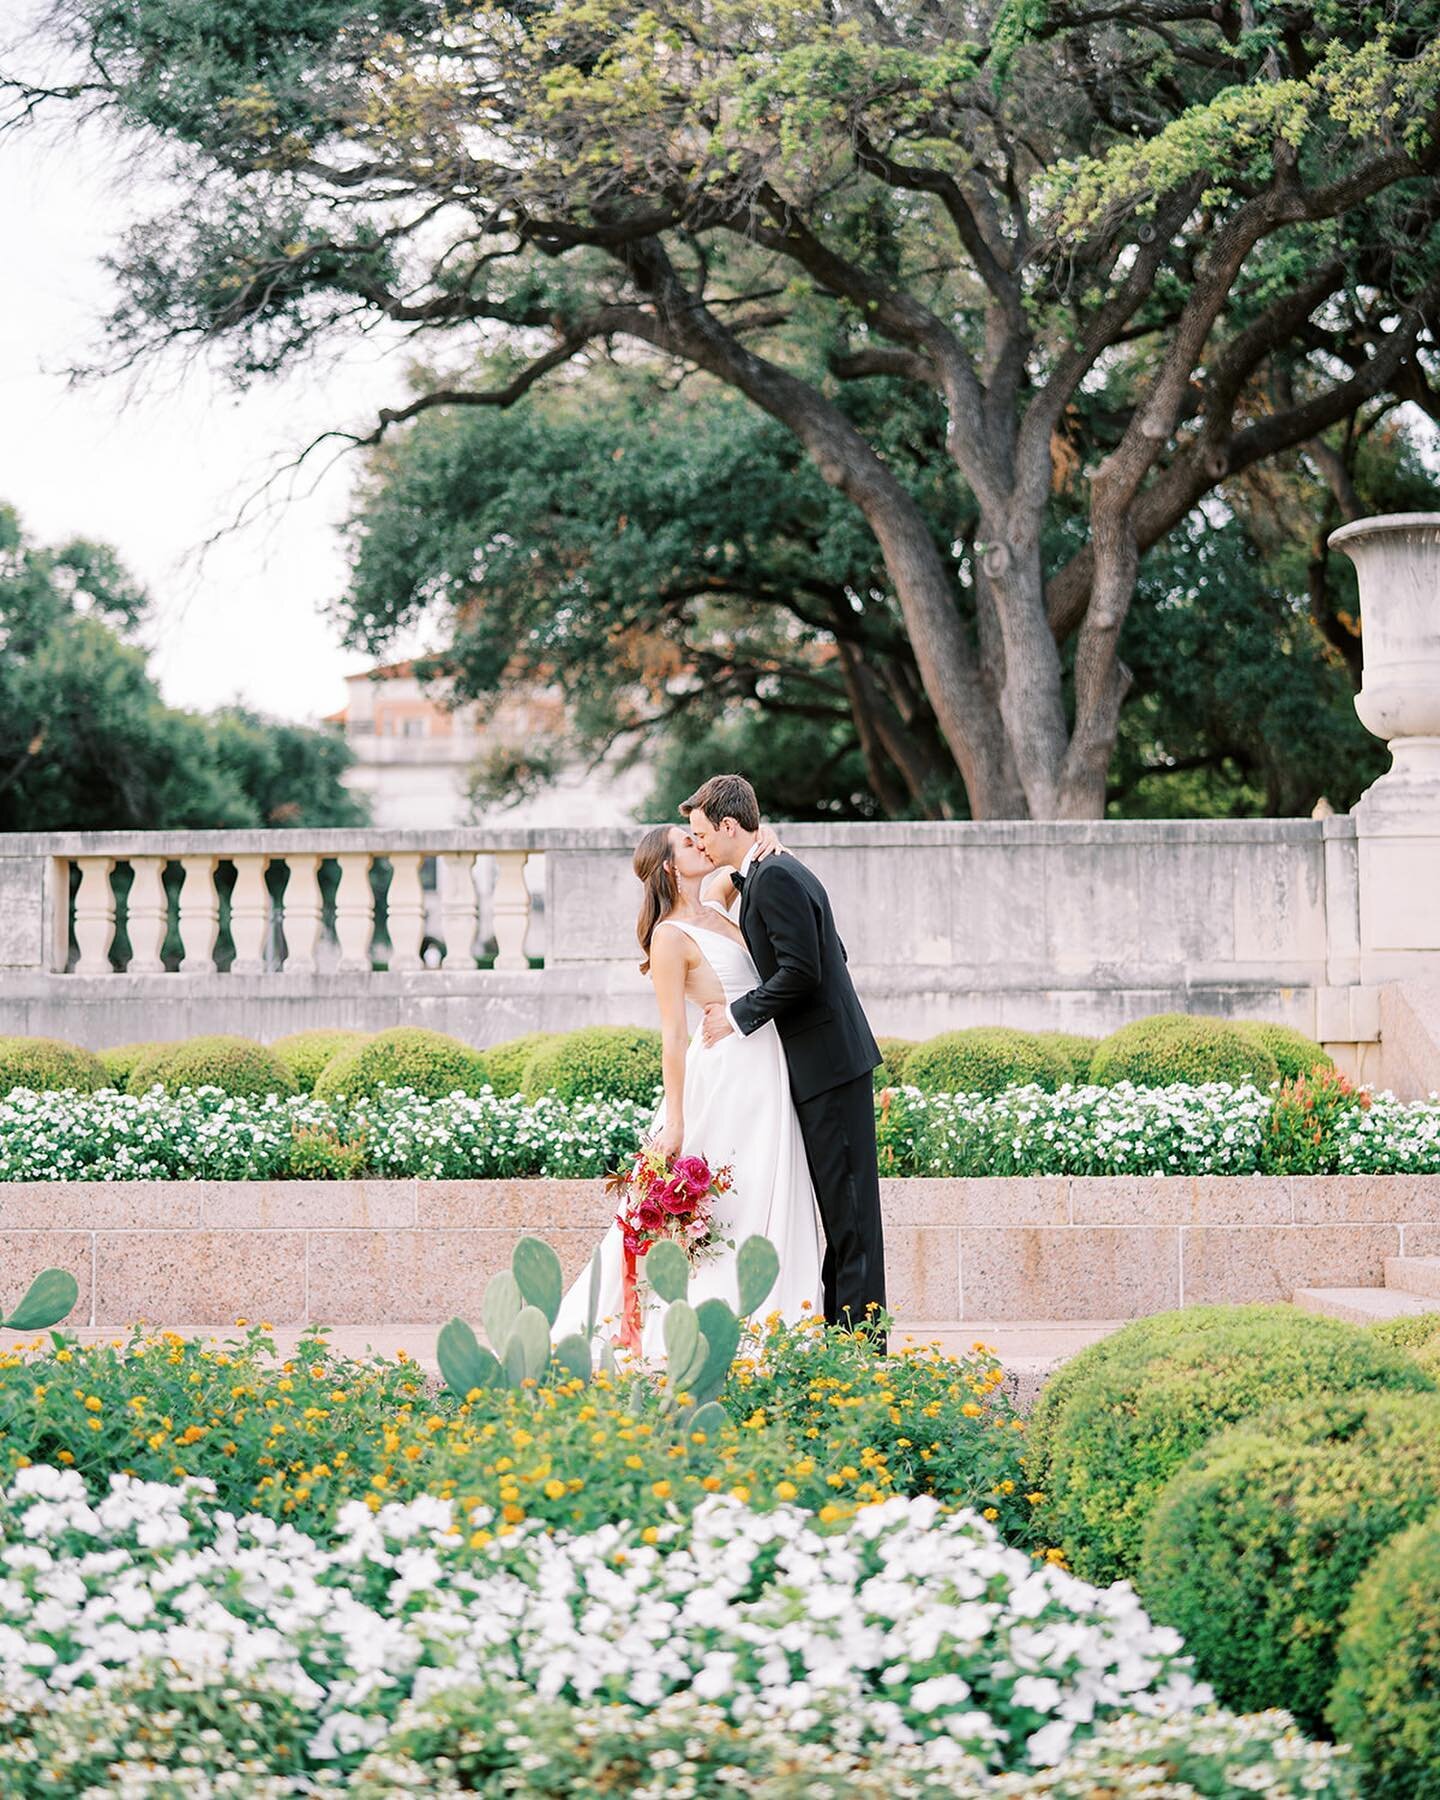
(767, 844)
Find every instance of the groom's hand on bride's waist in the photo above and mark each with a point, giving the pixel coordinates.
(716, 1024)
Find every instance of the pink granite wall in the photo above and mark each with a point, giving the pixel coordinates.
(413, 1252)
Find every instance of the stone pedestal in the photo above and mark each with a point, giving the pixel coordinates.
(1397, 820)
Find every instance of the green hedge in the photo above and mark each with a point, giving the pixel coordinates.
(1411, 1331)
(236, 1064)
(1386, 1701)
(1295, 1054)
(506, 1063)
(306, 1053)
(1170, 1047)
(896, 1054)
(145, 1071)
(1077, 1052)
(405, 1056)
(1254, 1547)
(1121, 1417)
(120, 1061)
(621, 1062)
(49, 1065)
(986, 1059)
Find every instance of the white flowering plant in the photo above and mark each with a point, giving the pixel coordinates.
(139, 1621)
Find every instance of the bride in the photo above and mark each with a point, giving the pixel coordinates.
(729, 1103)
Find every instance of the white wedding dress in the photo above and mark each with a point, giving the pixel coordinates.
(738, 1110)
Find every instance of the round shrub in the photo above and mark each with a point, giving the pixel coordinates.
(147, 1070)
(1255, 1546)
(896, 1054)
(1173, 1047)
(49, 1065)
(235, 1064)
(1411, 1331)
(406, 1056)
(1386, 1700)
(986, 1059)
(1121, 1417)
(618, 1062)
(1076, 1052)
(506, 1063)
(305, 1053)
(1294, 1053)
(120, 1061)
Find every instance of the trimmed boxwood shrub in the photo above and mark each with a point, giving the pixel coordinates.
(1411, 1331)
(1121, 1417)
(986, 1059)
(49, 1065)
(620, 1062)
(1255, 1546)
(506, 1063)
(1077, 1052)
(236, 1064)
(305, 1053)
(1294, 1053)
(405, 1056)
(1170, 1047)
(1386, 1701)
(896, 1054)
(147, 1069)
(120, 1060)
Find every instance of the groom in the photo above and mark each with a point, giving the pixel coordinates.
(805, 988)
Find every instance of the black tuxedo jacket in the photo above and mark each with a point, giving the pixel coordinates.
(805, 986)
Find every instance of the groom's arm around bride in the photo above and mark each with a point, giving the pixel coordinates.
(806, 990)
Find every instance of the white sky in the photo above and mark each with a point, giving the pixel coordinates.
(155, 470)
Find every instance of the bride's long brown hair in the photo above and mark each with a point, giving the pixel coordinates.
(654, 864)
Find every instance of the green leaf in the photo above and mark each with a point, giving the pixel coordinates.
(667, 1269)
(49, 1298)
(757, 1269)
(682, 1334)
(711, 1418)
(721, 1330)
(537, 1271)
(532, 1332)
(501, 1308)
(464, 1361)
(573, 1356)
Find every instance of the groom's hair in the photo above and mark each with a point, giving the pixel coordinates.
(725, 797)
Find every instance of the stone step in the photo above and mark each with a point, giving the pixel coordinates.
(1363, 1305)
(1414, 1275)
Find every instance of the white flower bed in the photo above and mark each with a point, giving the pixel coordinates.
(917, 1631)
(1210, 1129)
(1215, 1128)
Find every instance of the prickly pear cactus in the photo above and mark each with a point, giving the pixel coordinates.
(50, 1297)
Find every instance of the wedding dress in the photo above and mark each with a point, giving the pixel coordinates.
(738, 1110)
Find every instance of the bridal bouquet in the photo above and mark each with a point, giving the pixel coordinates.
(663, 1197)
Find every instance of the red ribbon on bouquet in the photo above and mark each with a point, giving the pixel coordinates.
(630, 1304)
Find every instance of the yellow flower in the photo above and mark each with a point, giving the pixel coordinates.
(829, 1514)
(554, 1490)
(1034, 1499)
(660, 1489)
(711, 1484)
(651, 1534)
(634, 1462)
(992, 1513)
(741, 1493)
(786, 1490)
(512, 1515)
(479, 1539)
(94, 1403)
(970, 1410)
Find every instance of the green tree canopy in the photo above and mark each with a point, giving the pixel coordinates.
(1163, 243)
(85, 739)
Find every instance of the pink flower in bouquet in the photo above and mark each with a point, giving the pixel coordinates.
(649, 1216)
(693, 1172)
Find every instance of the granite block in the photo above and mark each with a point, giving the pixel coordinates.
(392, 1277)
(307, 1205)
(517, 1206)
(999, 1200)
(183, 1277)
(922, 1272)
(1179, 1200)
(1074, 1272)
(1232, 1266)
(101, 1205)
(1365, 1199)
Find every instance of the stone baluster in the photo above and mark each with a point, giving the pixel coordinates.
(354, 911)
(94, 915)
(512, 909)
(406, 910)
(249, 915)
(199, 914)
(459, 907)
(148, 917)
(304, 911)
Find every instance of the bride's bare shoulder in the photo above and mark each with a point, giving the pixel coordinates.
(718, 886)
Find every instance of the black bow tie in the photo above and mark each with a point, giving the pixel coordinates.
(738, 879)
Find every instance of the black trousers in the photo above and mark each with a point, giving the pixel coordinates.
(839, 1131)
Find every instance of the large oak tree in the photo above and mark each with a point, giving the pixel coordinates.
(1219, 220)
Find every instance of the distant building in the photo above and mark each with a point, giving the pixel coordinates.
(415, 759)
